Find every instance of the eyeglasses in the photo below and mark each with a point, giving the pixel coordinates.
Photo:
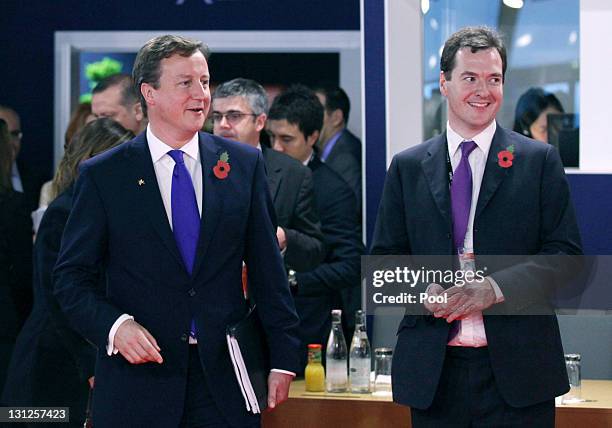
(16, 134)
(232, 117)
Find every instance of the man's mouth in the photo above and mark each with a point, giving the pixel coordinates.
(198, 110)
(478, 104)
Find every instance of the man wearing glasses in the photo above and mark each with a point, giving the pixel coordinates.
(24, 179)
(239, 109)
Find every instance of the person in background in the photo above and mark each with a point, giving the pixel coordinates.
(294, 122)
(81, 116)
(25, 177)
(239, 113)
(339, 148)
(15, 255)
(531, 114)
(115, 97)
(52, 365)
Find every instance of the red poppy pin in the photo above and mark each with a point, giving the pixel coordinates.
(505, 157)
(222, 168)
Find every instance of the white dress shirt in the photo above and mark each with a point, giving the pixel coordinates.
(471, 328)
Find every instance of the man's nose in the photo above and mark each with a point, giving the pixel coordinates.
(276, 145)
(199, 91)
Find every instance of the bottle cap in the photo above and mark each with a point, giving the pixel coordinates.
(572, 357)
(314, 346)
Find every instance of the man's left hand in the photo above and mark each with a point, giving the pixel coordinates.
(278, 388)
(473, 296)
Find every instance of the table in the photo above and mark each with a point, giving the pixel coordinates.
(319, 409)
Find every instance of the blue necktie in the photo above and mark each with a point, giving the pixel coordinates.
(461, 202)
(185, 214)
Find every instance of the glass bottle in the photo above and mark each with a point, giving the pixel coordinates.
(360, 357)
(314, 373)
(336, 356)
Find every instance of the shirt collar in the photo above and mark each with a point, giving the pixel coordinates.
(158, 148)
(330, 144)
(482, 140)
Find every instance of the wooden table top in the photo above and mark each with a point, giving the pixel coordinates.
(598, 394)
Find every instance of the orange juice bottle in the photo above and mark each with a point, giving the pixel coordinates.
(315, 373)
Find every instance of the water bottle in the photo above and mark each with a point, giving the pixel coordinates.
(336, 356)
(360, 357)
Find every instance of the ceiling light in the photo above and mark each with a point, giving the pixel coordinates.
(515, 4)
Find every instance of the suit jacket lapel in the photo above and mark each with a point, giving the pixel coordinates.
(274, 174)
(150, 197)
(434, 167)
(493, 174)
(212, 197)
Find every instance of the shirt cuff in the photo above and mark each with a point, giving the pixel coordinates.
(499, 296)
(110, 347)
(283, 371)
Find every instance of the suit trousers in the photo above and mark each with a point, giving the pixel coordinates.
(200, 409)
(468, 397)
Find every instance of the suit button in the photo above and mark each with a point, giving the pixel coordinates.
(448, 235)
(191, 292)
(184, 337)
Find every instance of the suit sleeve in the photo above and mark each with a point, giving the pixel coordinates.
(341, 268)
(82, 255)
(20, 259)
(267, 278)
(305, 247)
(46, 250)
(558, 260)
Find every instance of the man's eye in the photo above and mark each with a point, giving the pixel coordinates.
(470, 79)
(184, 83)
(234, 116)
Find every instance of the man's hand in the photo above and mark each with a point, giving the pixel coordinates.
(278, 388)
(90, 381)
(475, 296)
(433, 289)
(281, 237)
(136, 344)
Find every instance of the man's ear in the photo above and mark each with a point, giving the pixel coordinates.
(443, 83)
(260, 122)
(137, 110)
(337, 118)
(148, 92)
(312, 139)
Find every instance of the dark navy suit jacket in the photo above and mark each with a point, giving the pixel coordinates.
(118, 221)
(522, 210)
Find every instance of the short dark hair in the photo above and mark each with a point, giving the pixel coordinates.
(147, 64)
(475, 38)
(249, 89)
(299, 106)
(128, 94)
(335, 98)
(529, 107)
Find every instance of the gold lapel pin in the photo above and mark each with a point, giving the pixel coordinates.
(141, 182)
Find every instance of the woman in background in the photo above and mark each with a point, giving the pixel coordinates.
(52, 365)
(532, 109)
(15, 256)
(80, 117)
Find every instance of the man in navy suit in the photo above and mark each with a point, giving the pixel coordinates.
(294, 121)
(171, 216)
(474, 191)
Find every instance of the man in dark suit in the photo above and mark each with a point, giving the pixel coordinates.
(25, 178)
(339, 148)
(474, 191)
(171, 216)
(294, 121)
(239, 113)
(115, 97)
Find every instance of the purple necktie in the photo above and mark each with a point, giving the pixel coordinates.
(461, 201)
(185, 214)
